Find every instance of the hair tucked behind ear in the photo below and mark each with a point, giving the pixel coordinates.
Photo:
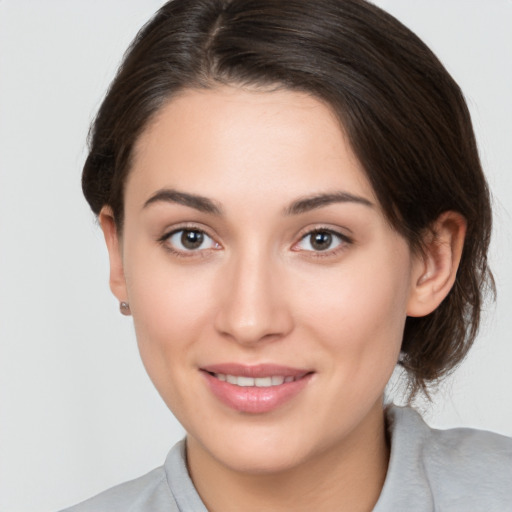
(404, 115)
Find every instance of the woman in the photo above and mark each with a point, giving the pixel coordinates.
(292, 202)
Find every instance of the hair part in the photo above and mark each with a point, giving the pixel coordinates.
(405, 118)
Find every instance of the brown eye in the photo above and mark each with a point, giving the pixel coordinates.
(192, 239)
(189, 240)
(321, 240)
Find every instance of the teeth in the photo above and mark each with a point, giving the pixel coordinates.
(260, 382)
(277, 381)
(245, 382)
(263, 382)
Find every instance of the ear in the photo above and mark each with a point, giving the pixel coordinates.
(112, 239)
(435, 270)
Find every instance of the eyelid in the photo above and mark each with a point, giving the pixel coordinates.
(186, 226)
(344, 239)
(164, 240)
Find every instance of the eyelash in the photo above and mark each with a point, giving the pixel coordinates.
(344, 241)
(165, 242)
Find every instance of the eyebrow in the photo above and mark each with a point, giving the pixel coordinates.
(203, 204)
(307, 204)
(303, 205)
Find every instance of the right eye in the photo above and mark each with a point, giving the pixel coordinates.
(190, 240)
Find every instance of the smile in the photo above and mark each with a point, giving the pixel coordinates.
(255, 389)
(259, 382)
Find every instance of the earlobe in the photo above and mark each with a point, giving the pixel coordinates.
(112, 239)
(435, 270)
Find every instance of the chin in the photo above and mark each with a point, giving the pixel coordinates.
(257, 461)
(259, 448)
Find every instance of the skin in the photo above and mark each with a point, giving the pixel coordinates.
(257, 291)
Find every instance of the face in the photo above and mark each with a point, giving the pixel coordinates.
(268, 292)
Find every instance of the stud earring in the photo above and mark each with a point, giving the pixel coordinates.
(124, 307)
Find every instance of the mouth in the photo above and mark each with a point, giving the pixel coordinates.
(259, 382)
(255, 389)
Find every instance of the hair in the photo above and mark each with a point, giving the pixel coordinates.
(404, 115)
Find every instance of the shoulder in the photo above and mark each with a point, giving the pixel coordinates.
(166, 488)
(476, 463)
(146, 493)
(456, 469)
(469, 451)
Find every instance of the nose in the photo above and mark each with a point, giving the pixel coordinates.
(254, 306)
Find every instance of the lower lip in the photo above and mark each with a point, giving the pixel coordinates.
(253, 399)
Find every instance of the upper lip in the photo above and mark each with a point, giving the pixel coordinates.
(255, 371)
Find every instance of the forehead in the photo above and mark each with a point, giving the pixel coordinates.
(213, 141)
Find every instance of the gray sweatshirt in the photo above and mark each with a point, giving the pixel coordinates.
(458, 470)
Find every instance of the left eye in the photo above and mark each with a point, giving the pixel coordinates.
(320, 240)
(187, 240)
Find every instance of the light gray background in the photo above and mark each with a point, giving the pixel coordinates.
(77, 412)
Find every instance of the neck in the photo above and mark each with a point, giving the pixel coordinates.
(348, 476)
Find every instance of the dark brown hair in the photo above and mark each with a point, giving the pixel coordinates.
(404, 115)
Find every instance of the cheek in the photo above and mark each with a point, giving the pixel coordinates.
(360, 308)
(171, 308)
(170, 317)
